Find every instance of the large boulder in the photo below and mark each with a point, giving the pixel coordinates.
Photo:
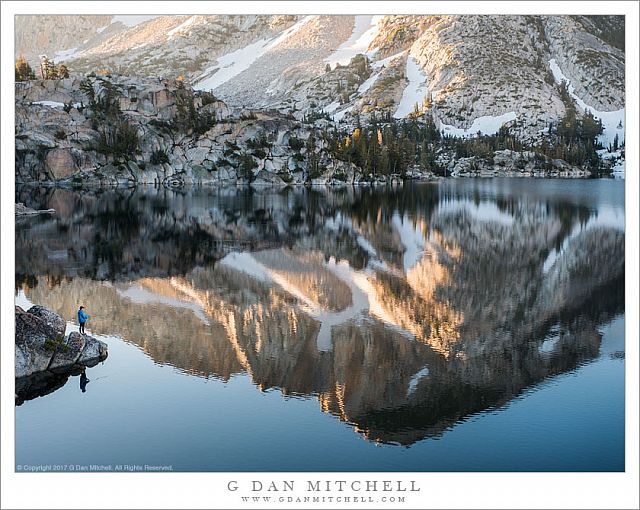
(264, 178)
(94, 352)
(68, 352)
(35, 343)
(59, 162)
(51, 319)
(41, 345)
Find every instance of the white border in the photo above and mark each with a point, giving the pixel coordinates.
(207, 490)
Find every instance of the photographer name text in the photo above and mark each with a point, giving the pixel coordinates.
(259, 486)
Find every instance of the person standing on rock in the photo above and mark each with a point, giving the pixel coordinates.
(82, 318)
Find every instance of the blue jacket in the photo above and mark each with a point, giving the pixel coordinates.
(82, 316)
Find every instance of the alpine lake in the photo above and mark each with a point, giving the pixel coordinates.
(458, 325)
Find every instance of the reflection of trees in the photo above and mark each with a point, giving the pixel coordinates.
(464, 326)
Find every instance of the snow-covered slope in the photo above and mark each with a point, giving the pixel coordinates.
(476, 72)
(612, 122)
(232, 64)
(415, 92)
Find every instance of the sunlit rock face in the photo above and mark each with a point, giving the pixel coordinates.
(401, 323)
(469, 66)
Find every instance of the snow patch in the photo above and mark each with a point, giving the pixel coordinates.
(382, 63)
(415, 91)
(610, 120)
(364, 32)
(234, 63)
(330, 108)
(55, 104)
(180, 27)
(132, 21)
(338, 116)
(366, 85)
(486, 125)
(59, 56)
(618, 169)
(102, 29)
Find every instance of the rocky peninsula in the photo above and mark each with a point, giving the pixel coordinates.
(45, 357)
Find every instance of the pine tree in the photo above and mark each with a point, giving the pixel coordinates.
(23, 70)
(62, 71)
(48, 69)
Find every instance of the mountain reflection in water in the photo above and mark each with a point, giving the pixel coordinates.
(403, 311)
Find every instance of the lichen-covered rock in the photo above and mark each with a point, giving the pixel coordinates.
(69, 351)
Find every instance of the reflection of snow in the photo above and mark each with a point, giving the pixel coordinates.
(245, 263)
(359, 304)
(364, 31)
(412, 239)
(141, 296)
(482, 211)
(234, 63)
(415, 91)
(417, 377)
(607, 216)
(549, 345)
(366, 246)
(487, 125)
(610, 120)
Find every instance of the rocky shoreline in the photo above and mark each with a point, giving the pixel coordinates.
(44, 356)
(22, 211)
(122, 131)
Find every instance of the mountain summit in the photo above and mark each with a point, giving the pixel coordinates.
(473, 73)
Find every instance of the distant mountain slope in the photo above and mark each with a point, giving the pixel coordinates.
(473, 73)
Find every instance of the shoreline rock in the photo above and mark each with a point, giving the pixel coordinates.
(59, 144)
(22, 210)
(42, 347)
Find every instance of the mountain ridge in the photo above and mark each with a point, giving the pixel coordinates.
(472, 65)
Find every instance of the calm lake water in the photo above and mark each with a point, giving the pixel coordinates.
(466, 325)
